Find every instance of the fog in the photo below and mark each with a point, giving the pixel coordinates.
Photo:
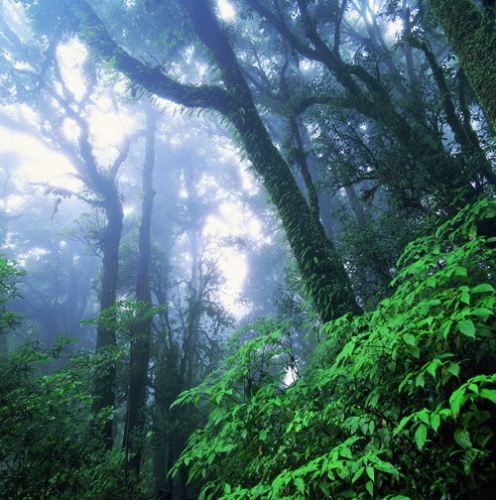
(205, 203)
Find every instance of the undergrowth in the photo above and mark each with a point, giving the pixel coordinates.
(397, 403)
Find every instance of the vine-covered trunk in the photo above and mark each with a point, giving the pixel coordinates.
(321, 269)
(472, 33)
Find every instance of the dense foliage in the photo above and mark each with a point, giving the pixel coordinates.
(329, 195)
(49, 437)
(48, 447)
(398, 403)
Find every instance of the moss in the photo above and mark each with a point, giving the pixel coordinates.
(472, 34)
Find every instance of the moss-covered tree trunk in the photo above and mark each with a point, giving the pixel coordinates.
(320, 266)
(321, 269)
(472, 33)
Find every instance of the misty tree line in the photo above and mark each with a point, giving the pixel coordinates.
(368, 125)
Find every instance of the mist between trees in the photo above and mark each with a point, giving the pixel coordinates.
(248, 249)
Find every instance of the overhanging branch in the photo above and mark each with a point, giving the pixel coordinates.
(92, 31)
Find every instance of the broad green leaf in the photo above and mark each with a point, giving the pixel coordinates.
(488, 394)
(453, 369)
(465, 297)
(435, 421)
(482, 312)
(462, 437)
(421, 436)
(300, 484)
(409, 339)
(483, 288)
(371, 473)
(432, 367)
(420, 380)
(402, 424)
(457, 400)
(460, 271)
(474, 388)
(467, 327)
(386, 467)
(370, 488)
(358, 474)
(423, 415)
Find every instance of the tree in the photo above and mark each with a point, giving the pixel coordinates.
(141, 340)
(472, 33)
(323, 273)
(379, 97)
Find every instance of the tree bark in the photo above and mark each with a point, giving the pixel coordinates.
(105, 380)
(472, 33)
(141, 340)
(320, 266)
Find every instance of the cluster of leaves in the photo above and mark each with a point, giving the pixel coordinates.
(398, 403)
(9, 276)
(49, 439)
(370, 249)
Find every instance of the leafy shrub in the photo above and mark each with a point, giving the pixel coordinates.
(49, 445)
(397, 403)
(49, 436)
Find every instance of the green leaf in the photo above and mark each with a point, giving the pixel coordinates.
(325, 489)
(370, 488)
(409, 339)
(402, 424)
(467, 327)
(462, 437)
(432, 367)
(423, 415)
(358, 474)
(474, 388)
(453, 369)
(300, 485)
(421, 436)
(371, 473)
(435, 421)
(457, 400)
(483, 288)
(445, 328)
(420, 380)
(482, 313)
(386, 467)
(488, 394)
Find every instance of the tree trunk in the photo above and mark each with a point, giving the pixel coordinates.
(105, 380)
(321, 269)
(140, 342)
(472, 33)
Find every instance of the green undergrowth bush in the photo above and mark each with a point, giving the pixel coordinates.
(50, 444)
(49, 439)
(397, 403)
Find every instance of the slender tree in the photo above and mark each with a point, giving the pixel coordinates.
(141, 340)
